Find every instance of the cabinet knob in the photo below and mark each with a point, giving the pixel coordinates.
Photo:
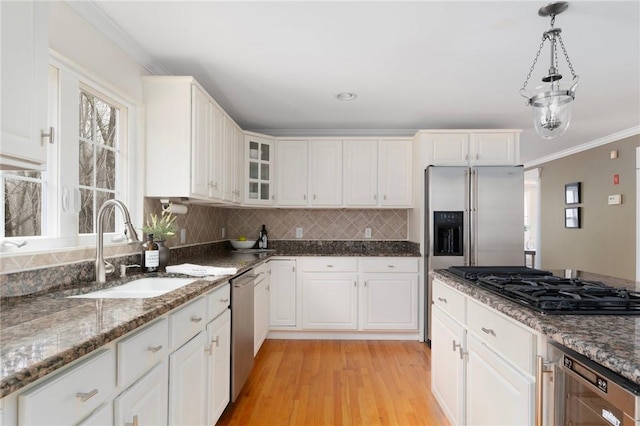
(85, 396)
(154, 349)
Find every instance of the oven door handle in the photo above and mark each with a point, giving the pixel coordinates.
(542, 368)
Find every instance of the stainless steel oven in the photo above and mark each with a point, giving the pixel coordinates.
(588, 394)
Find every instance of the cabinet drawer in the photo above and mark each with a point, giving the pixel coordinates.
(71, 395)
(389, 264)
(218, 301)
(329, 264)
(142, 350)
(186, 322)
(513, 342)
(449, 300)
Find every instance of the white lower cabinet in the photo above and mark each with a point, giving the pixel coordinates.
(496, 392)
(482, 362)
(145, 402)
(261, 302)
(188, 382)
(283, 293)
(219, 366)
(330, 301)
(101, 417)
(447, 380)
(68, 397)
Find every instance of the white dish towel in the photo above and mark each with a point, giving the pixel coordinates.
(199, 270)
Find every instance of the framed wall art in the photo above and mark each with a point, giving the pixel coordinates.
(572, 193)
(572, 217)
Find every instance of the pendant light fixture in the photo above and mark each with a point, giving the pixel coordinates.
(551, 103)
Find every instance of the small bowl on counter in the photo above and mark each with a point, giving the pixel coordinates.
(246, 244)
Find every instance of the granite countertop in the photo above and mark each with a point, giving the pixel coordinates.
(612, 341)
(45, 332)
(41, 333)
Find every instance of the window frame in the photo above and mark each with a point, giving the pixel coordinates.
(61, 177)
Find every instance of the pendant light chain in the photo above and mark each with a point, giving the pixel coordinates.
(566, 57)
(535, 61)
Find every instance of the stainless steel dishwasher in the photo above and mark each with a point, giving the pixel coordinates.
(241, 331)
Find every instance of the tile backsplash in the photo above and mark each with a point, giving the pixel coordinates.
(204, 224)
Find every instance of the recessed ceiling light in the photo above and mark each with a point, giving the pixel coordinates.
(346, 96)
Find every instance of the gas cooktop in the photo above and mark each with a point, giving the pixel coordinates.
(546, 293)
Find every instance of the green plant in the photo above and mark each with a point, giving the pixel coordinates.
(162, 227)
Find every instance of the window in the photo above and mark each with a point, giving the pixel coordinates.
(90, 162)
(97, 160)
(22, 203)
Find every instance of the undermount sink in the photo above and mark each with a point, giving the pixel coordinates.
(142, 288)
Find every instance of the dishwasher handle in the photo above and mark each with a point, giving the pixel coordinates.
(244, 280)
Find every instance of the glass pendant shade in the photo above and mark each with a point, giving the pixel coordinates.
(552, 113)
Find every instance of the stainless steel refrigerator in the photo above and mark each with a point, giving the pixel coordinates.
(474, 216)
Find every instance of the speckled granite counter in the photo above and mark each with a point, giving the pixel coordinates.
(45, 331)
(42, 333)
(610, 340)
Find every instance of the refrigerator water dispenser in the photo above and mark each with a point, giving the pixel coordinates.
(448, 233)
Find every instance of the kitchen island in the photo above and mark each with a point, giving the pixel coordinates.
(612, 341)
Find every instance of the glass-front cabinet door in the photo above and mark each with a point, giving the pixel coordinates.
(260, 156)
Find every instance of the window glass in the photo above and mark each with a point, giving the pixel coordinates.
(98, 143)
(22, 203)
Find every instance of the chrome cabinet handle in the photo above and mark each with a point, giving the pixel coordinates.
(84, 397)
(196, 319)
(50, 135)
(329, 266)
(391, 266)
(442, 299)
(154, 349)
(209, 350)
(224, 300)
(456, 345)
(134, 423)
(488, 331)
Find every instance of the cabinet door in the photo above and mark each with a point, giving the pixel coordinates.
(330, 301)
(325, 172)
(101, 417)
(497, 393)
(188, 383)
(449, 149)
(261, 312)
(216, 153)
(292, 173)
(395, 187)
(25, 59)
(447, 366)
(228, 165)
(283, 293)
(145, 402)
(238, 194)
(389, 302)
(494, 149)
(259, 170)
(219, 366)
(200, 142)
(361, 172)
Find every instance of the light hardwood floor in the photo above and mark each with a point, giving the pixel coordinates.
(337, 382)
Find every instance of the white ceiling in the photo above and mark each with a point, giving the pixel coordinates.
(276, 67)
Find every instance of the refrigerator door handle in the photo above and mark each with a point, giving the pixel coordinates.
(473, 217)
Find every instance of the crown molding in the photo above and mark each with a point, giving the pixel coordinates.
(585, 146)
(107, 26)
(336, 132)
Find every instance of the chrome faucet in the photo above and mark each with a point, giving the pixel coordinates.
(102, 267)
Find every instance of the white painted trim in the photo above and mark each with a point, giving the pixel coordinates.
(336, 132)
(337, 335)
(585, 146)
(107, 26)
(637, 213)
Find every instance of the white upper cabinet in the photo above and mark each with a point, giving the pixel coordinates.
(394, 173)
(259, 167)
(24, 54)
(185, 132)
(361, 172)
(292, 172)
(472, 148)
(378, 173)
(325, 172)
(233, 161)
